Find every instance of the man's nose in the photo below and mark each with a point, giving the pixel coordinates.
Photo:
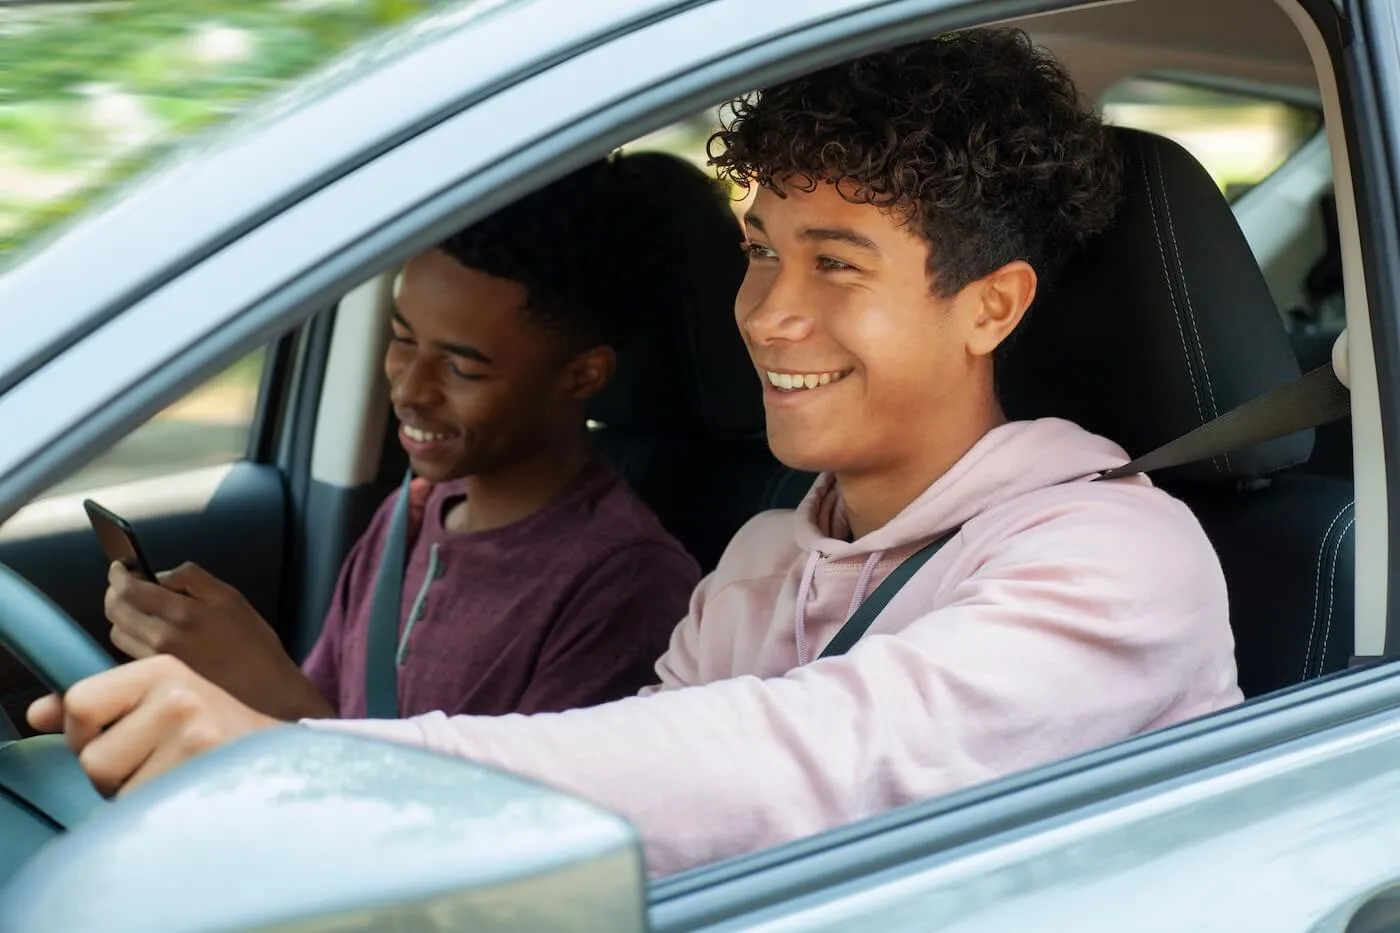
(775, 310)
(414, 383)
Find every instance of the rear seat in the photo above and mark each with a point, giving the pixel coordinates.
(683, 420)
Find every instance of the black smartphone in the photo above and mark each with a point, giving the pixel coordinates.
(118, 539)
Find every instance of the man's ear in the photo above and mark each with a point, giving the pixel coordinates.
(999, 302)
(590, 371)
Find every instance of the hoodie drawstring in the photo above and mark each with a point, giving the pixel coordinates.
(805, 589)
(863, 584)
(803, 592)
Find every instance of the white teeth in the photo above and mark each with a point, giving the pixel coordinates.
(791, 381)
(422, 436)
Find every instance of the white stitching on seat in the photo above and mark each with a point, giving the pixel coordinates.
(1331, 591)
(1317, 586)
(1166, 273)
(1186, 293)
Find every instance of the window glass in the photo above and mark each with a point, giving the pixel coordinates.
(93, 93)
(210, 426)
(1239, 138)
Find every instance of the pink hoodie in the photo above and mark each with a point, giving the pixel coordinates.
(1066, 614)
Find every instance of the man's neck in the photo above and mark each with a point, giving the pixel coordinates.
(504, 498)
(872, 499)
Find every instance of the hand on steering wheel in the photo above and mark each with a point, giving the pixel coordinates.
(141, 719)
(126, 724)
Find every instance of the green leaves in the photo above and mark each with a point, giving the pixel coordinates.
(91, 93)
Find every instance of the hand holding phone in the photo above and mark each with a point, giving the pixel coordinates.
(118, 540)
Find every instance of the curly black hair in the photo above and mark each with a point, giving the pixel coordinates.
(601, 248)
(977, 138)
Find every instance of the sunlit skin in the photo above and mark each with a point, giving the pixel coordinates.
(843, 288)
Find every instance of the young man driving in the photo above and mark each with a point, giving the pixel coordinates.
(536, 581)
(909, 205)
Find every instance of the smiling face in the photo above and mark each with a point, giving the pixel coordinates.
(476, 386)
(865, 368)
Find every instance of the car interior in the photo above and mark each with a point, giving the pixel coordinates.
(1190, 306)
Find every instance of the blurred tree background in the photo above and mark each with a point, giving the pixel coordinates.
(92, 92)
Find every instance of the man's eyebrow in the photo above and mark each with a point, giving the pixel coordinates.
(456, 349)
(462, 350)
(842, 235)
(753, 220)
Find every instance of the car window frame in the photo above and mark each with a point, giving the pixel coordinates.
(1371, 109)
(1299, 713)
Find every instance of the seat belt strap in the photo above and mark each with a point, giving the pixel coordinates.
(865, 615)
(386, 606)
(1313, 399)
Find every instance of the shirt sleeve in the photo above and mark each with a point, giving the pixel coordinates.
(606, 641)
(1084, 630)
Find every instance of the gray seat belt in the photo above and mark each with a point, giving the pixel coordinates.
(382, 634)
(1313, 399)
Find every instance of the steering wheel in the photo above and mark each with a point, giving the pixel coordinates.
(46, 640)
(39, 774)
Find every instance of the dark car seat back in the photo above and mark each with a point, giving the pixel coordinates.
(1159, 325)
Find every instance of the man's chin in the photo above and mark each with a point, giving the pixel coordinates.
(435, 471)
(799, 453)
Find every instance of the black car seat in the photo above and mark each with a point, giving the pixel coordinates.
(683, 419)
(1159, 325)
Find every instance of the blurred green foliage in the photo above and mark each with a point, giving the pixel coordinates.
(93, 92)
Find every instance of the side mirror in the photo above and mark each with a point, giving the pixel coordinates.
(295, 828)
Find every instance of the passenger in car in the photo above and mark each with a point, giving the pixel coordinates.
(537, 580)
(909, 206)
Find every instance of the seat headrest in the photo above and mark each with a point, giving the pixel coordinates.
(1158, 325)
(685, 366)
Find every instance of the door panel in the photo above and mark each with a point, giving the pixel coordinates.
(229, 519)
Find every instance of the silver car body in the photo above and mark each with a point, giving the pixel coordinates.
(1282, 815)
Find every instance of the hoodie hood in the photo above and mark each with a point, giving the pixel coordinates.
(1010, 460)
